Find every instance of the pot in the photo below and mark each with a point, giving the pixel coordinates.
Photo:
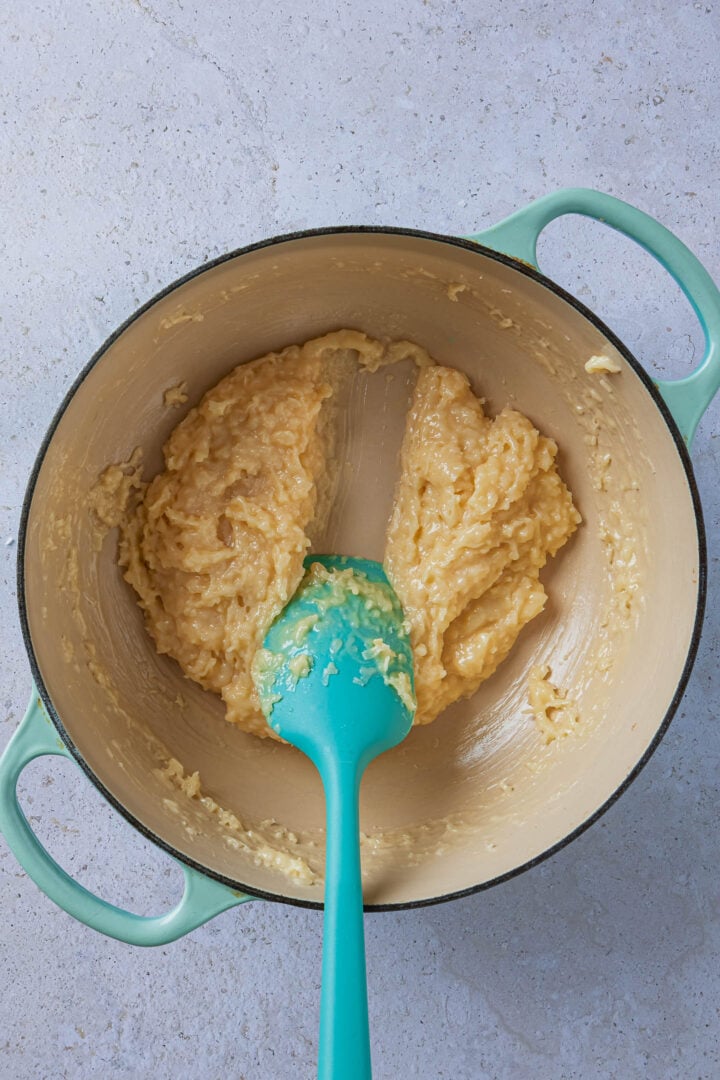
(480, 795)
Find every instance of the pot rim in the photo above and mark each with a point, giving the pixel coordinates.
(521, 267)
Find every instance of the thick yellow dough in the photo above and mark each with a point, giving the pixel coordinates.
(215, 548)
(478, 510)
(214, 545)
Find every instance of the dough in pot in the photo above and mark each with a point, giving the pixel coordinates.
(214, 545)
(479, 508)
(215, 548)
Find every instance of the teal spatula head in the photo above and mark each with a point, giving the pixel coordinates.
(335, 679)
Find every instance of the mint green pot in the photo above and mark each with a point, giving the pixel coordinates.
(49, 729)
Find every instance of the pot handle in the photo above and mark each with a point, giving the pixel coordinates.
(202, 899)
(517, 236)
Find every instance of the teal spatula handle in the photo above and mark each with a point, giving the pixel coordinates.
(344, 1045)
(202, 898)
(517, 236)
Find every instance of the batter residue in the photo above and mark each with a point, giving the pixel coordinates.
(555, 713)
(357, 614)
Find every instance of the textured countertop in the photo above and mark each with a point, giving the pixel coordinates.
(142, 138)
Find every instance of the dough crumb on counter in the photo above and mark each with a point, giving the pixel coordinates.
(602, 365)
(555, 713)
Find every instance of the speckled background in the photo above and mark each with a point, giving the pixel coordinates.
(139, 139)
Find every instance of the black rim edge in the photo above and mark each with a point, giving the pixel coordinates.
(554, 288)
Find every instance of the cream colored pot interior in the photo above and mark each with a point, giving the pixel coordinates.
(479, 792)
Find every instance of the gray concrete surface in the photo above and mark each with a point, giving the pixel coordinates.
(141, 138)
